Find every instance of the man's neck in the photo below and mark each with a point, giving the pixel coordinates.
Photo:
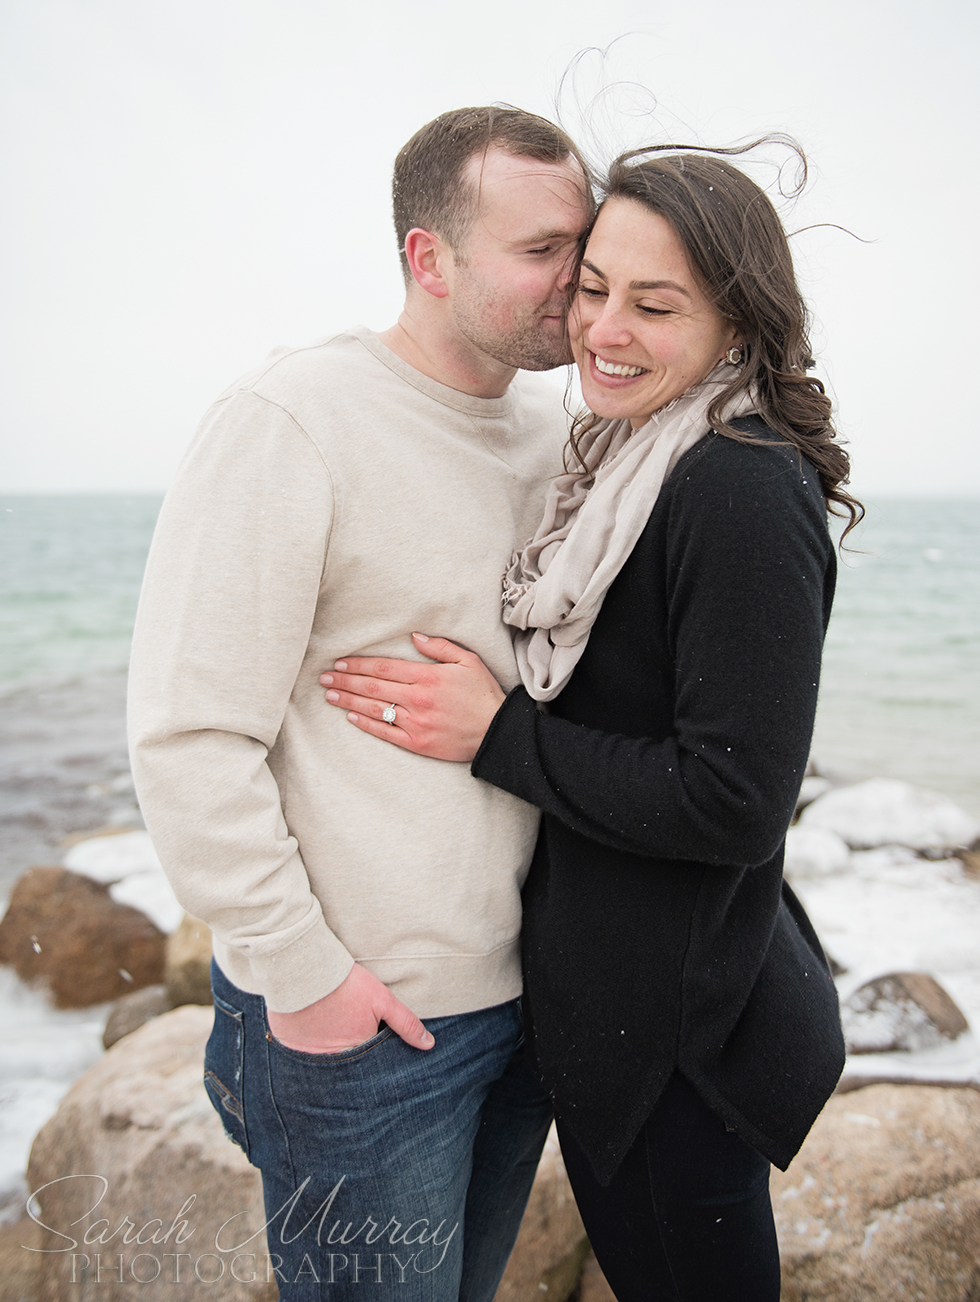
(446, 357)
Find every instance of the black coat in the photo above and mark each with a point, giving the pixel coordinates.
(659, 933)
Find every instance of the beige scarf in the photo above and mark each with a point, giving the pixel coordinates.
(554, 588)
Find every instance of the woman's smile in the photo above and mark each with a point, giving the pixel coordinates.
(613, 368)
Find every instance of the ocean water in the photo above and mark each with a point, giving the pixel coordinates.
(900, 694)
(70, 572)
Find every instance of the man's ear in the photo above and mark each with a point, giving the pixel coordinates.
(428, 260)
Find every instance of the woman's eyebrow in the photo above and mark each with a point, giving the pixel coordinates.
(660, 284)
(642, 284)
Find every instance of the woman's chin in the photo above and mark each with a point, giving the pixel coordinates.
(609, 409)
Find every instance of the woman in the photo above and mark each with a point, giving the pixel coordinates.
(671, 609)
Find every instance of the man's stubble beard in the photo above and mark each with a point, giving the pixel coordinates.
(529, 344)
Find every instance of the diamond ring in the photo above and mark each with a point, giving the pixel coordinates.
(388, 714)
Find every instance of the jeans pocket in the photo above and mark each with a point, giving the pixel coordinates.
(330, 1059)
(224, 1065)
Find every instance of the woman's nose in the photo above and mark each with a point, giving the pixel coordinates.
(609, 329)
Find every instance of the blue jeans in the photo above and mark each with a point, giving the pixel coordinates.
(387, 1171)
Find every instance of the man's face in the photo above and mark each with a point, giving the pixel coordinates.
(508, 280)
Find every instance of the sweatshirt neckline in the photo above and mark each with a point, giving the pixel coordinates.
(441, 393)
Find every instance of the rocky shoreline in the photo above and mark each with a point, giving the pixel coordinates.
(882, 1202)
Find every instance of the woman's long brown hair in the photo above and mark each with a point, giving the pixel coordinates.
(738, 249)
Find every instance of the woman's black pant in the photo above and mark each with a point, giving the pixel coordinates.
(687, 1217)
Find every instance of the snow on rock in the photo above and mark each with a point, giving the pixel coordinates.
(884, 811)
(814, 852)
(129, 862)
(152, 894)
(890, 911)
(904, 1011)
(111, 858)
(894, 911)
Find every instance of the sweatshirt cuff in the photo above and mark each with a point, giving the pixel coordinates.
(303, 971)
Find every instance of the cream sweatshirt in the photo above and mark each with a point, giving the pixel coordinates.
(330, 504)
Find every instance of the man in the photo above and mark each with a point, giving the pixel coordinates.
(340, 498)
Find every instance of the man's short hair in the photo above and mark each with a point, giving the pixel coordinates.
(427, 187)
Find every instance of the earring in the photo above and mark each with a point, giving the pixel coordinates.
(734, 355)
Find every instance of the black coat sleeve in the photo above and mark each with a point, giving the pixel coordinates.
(740, 567)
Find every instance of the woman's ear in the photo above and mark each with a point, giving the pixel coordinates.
(427, 258)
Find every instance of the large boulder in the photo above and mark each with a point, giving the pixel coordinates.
(64, 928)
(884, 811)
(594, 1287)
(883, 1201)
(136, 1140)
(20, 1242)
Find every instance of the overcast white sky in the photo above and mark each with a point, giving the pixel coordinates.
(188, 183)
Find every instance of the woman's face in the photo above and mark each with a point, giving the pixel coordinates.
(642, 331)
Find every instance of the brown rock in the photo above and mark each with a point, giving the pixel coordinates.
(902, 1010)
(19, 1261)
(138, 1131)
(883, 1201)
(189, 963)
(594, 1286)
(132, 1011)
(65, 928)
(971, 862)
(551, 1247)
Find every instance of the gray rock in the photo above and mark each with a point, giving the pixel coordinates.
(132, 1011)
(900, 1011)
